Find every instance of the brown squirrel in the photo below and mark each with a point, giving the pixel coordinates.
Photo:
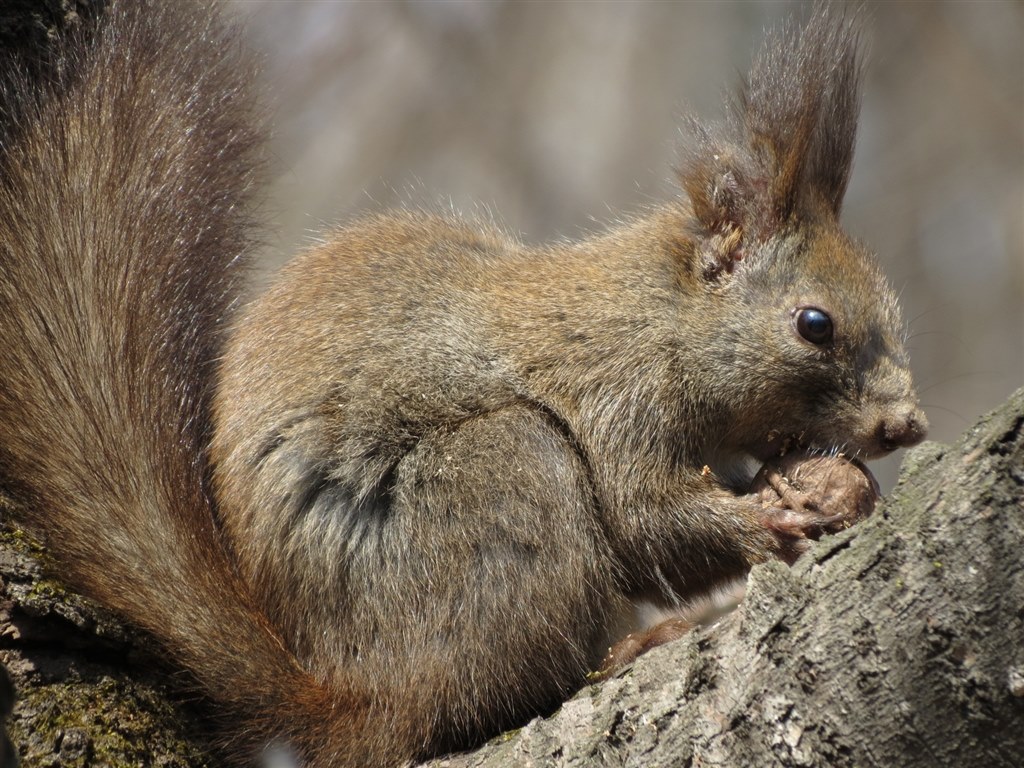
(399, 502)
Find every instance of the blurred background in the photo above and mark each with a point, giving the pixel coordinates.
(554, 117)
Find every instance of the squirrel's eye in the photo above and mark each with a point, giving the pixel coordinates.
(814, 325)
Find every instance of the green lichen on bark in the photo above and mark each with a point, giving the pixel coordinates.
(91, 691)
(107, 722)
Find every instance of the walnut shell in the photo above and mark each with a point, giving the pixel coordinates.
(833, 491)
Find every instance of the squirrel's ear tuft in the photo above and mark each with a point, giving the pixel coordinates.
(788, 143)
(799, 109)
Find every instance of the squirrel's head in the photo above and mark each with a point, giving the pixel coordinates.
(813, 333)
(808, 322)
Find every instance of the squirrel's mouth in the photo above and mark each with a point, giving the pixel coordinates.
(736, 467)
(776, 444)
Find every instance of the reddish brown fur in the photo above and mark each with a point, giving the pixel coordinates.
(443, 461)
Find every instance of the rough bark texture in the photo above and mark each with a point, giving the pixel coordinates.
(91, 692)
(899, 642)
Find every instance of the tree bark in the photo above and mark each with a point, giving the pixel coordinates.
(91, 691)
(897, 643)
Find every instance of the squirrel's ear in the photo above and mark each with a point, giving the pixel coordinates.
(715, 177)
(787, 146)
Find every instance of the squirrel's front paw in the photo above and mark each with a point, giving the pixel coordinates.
(804, 496)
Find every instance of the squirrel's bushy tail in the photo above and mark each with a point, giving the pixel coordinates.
(124, 196)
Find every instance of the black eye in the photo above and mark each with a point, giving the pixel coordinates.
(814, 325)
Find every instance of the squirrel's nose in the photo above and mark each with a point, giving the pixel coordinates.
(902, 428)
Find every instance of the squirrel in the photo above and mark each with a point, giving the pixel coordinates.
(398, 502)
